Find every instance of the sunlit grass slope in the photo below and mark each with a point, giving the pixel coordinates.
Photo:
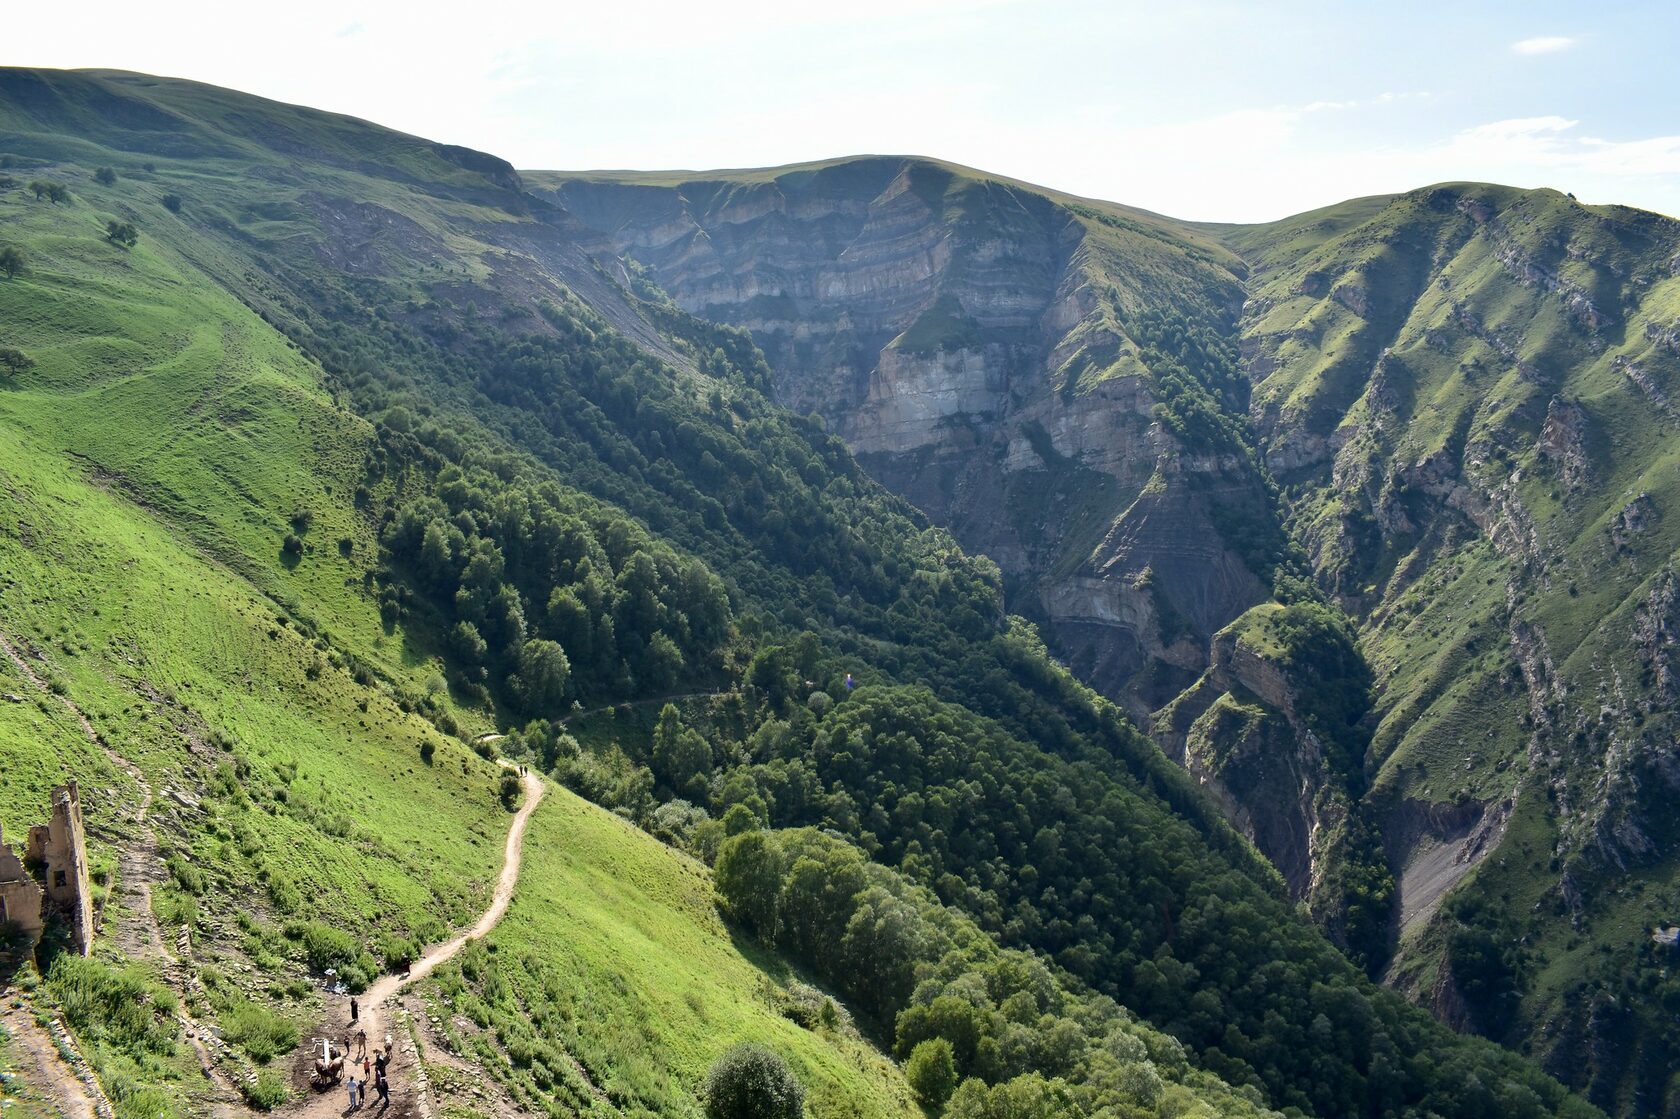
(615, 949)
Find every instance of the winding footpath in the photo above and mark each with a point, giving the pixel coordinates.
(376, 999)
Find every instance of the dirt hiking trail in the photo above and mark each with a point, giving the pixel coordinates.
(375, 1017)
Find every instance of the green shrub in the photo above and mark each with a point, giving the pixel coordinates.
(327, 948)
(751, 1082)
(262, 1033)
(121, 1008)
(284, 893)
(394, 951)
(268, 1093)
(189, 877)
(174, 908)
(133, 1100)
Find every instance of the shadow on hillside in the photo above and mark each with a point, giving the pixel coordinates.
(17, 954)
(786, 974)
(14, 953)
(764, 959)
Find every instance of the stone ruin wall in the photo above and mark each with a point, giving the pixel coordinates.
(58, 851)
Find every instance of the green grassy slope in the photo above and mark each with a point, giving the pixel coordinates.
(795, 174)
(615, 951)
(1466, 392)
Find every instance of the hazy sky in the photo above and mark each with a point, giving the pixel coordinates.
(1214, 111)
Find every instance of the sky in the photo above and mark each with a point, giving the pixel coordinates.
(1205, 111)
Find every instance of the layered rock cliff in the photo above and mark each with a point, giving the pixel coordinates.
(979, 345)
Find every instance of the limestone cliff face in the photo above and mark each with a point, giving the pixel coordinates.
(967, 337)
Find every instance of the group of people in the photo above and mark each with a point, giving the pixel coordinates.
(373, 1069)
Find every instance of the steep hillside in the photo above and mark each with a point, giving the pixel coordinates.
(1465, 392)
(352, 447)
(263, 779)
(1053, 378)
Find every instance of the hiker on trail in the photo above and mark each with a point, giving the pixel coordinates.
(367, 1069)
(350, 1086)
(361, 1043)
(384, 1093)
(380, 1060)
(355, 1010)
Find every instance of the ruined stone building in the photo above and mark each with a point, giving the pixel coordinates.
(20, 894)
(52, 875)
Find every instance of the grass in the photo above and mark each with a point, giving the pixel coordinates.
(1487, 538)
(943, 326)
(139, 537)
(614, 944)
(158, 450)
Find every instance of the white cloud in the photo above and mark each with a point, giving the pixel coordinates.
(1551, 143)
(1542, 44)
(1387, 98)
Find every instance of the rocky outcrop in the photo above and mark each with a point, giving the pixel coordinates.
(913, 397)
(1656, 636)
(1562, 441)
(497, 170)
(1267, 779)
(1633, 521)
(1236, 730)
